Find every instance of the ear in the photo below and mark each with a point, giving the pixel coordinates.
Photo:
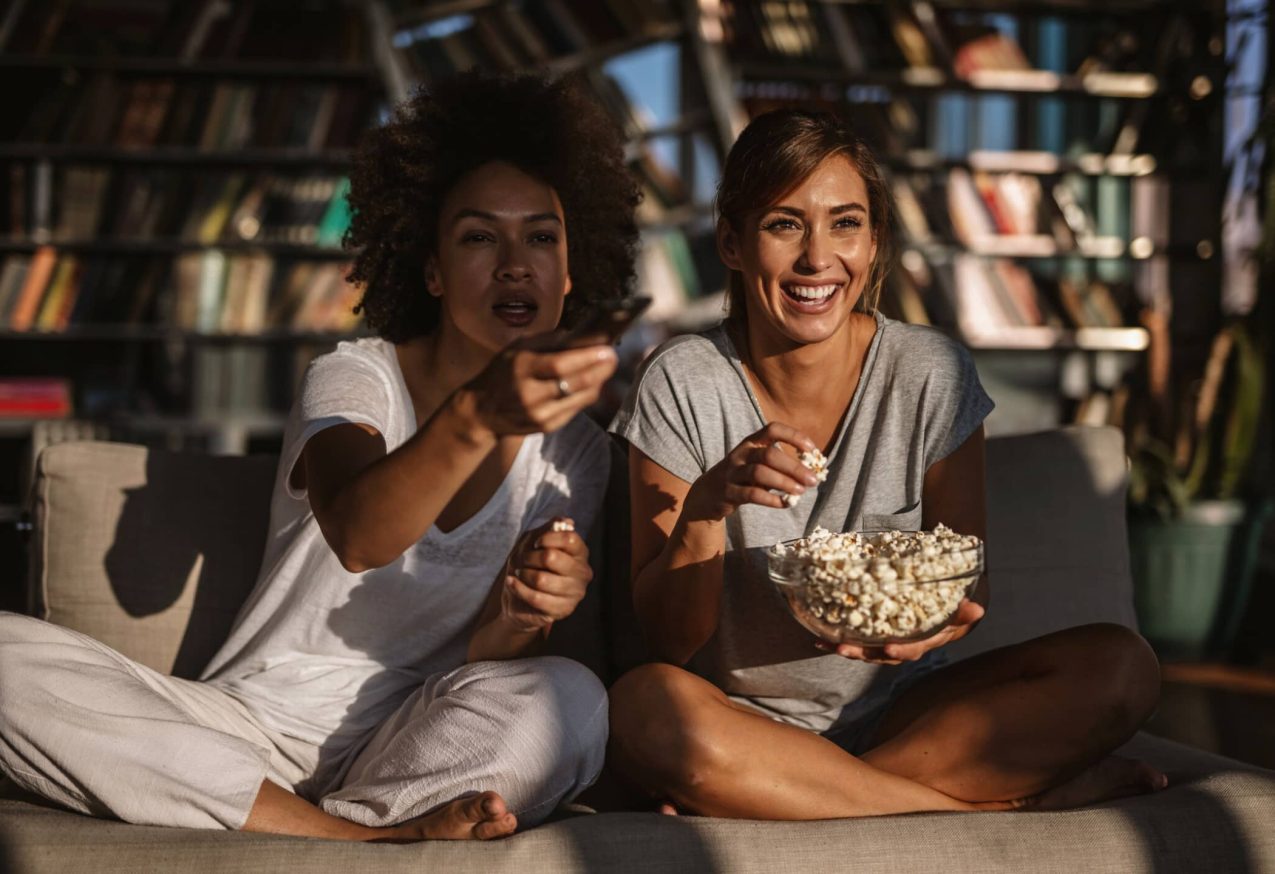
(432, 283)
(728, 245)
(567, 289)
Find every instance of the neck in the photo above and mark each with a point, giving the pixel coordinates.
(806, 376)
(437, 364)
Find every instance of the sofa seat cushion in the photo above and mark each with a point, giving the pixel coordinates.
(1216, 816)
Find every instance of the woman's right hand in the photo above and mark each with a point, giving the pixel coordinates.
(522, 390)
(754, 472)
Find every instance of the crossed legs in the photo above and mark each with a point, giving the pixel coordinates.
(1030, 725)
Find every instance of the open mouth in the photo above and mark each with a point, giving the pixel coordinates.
(516, 311)
(810, 296)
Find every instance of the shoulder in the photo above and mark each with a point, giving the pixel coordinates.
(685, 360)
(919, 354)
(926, 344)
(366, 354)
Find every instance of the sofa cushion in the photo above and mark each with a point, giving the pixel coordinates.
(1057, 548)
(129, 542)
(1215, 816)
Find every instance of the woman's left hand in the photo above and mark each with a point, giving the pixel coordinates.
(546, 577)
(967, 615)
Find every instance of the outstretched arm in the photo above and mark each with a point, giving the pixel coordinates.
(372, 505)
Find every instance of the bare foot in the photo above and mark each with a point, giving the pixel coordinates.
(1113, 777)
(478, 817)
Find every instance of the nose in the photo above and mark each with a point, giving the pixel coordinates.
(512, 265)
(816, 252)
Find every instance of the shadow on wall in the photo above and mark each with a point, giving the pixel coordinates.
(194, 532)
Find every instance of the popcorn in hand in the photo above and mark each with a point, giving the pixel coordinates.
(817, 462)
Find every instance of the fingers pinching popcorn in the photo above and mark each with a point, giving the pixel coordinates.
(817, 462)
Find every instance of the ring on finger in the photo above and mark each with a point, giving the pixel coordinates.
(564, 388)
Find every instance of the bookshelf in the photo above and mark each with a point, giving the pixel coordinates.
(172, 180)
(1034, 150)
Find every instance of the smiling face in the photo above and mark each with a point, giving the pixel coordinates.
(805, 260)
(501, 268)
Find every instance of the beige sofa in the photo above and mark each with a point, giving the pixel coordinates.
(152, 553)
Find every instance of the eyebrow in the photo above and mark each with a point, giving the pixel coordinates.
(836, 210)
(492, 217)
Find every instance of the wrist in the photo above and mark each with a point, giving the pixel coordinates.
(516, 631)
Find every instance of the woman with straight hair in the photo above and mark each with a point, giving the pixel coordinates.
(742, 716)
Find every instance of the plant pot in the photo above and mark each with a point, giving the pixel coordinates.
(1191, 575)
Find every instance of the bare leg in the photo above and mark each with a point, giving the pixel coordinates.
(1025, 726)
(1018, 721)
(479, 817)
(680, 738)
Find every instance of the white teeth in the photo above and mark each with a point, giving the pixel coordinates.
(811, 292)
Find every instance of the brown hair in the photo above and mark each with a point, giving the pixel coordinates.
(773, 155)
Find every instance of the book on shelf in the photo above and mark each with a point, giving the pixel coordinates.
(34, 397)
(139, 204)
(210, 116)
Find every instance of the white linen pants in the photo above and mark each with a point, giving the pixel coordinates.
(88, 728)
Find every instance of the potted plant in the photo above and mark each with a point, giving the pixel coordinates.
(1195, 520)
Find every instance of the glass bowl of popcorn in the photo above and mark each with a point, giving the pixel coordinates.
(871, 589)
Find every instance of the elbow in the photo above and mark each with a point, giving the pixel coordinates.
(352, 555)
(674, 645)
(353, 563)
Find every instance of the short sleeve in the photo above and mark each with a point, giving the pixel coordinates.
(575, 489)
(957, 402)
(657, 420)
(342, 387)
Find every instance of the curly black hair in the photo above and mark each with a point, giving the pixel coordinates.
(549, 129)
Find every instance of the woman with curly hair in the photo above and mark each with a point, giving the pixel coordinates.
(382, 682)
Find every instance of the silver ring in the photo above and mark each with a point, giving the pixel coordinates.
(563, 388)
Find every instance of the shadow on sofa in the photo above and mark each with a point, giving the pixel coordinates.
(153, 552)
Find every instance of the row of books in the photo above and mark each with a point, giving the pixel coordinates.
(137, 113)
(205, 292)
(867, 38)
(951, 126)
(522, 35)
(92, 203)
(1017, 213)
(186, 30)
(981, 297)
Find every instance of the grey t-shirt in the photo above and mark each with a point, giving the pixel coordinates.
(918, 399)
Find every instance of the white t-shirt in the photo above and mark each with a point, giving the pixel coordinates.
(324, 655)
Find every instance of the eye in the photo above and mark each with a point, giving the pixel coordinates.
(477, 237)
(548, 238)
(852, 222)
(779, 224)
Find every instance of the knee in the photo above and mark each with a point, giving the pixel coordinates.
(560, 703)
(661, 730)
(1121, 673)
